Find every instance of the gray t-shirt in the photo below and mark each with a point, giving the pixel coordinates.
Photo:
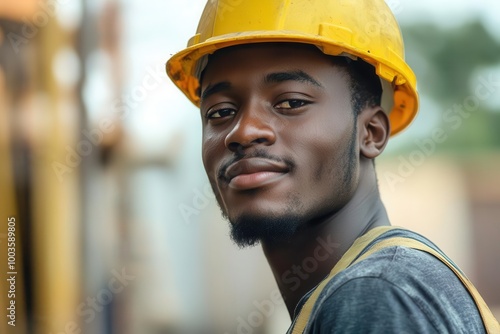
(397, 290)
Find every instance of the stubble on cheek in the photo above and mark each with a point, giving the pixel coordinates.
(218, 196)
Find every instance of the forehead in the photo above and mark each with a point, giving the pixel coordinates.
(272, 47)
(252, 59)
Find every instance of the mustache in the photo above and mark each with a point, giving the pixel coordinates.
(258, 153)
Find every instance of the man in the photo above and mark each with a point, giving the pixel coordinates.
(297, 99)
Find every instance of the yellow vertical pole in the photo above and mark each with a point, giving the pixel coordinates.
(12, 306)
(56, 219)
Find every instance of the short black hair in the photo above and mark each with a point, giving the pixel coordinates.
(365, 85)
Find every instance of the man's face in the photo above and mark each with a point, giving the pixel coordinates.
(279, 138)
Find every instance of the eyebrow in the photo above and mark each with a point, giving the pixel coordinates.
(297, 75)
(215, 88)
(277, 77)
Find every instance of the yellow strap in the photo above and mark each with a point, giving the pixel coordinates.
(349, 256)
(491, 324)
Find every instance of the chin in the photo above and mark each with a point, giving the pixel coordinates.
(250, 229)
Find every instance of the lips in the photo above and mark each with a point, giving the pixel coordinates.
(252, 173)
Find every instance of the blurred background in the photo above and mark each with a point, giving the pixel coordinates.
(117, 230)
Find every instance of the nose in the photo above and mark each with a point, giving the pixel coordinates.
(254, 126)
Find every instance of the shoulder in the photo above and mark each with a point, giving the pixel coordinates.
(396, 290)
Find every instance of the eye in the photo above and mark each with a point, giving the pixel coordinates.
(220, 113)
(291, 104)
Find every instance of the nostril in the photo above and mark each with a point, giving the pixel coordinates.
(234, 147)
(260, 140)
(240, 147)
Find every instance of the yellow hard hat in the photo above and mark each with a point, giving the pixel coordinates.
(361, 29)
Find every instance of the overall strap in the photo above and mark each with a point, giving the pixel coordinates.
(490, 323)
(349, 257)
(357, 253)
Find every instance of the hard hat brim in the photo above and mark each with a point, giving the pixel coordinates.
(181, 67)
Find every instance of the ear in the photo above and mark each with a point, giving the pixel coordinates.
(374, 130)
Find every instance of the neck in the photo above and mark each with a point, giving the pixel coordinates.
(303, 262)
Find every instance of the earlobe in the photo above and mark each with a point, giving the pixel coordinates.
(374, 131)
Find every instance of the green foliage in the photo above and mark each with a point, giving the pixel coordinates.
(445, 62)
(445, 59)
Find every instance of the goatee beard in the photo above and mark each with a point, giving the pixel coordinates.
(249, 230)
